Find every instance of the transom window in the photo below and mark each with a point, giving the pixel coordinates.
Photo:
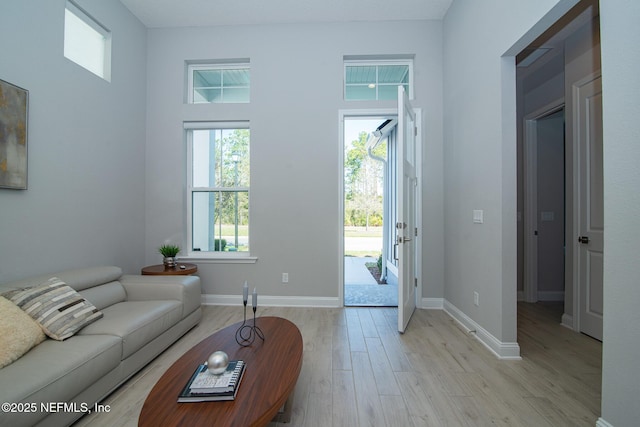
(376, 80)
(218, 183)
(224, 83)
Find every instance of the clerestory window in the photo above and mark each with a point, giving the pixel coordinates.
(219, 83)
(86, 41)
(376, 80)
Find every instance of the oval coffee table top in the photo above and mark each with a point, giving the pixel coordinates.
(272, 369)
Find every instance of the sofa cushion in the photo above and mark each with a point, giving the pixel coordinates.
(19, 333)
(57, 371)
(136, 322)
(58, 308)
(103, 296)
(84, 278)
(78, 279)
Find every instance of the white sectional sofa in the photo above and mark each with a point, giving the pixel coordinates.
(56, 381)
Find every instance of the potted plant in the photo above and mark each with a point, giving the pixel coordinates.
(169, 253)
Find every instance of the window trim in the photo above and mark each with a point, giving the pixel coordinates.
(375, 63)
(210, 256)
(191, 67)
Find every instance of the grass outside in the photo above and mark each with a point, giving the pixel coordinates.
(230, 230)
(362, 232)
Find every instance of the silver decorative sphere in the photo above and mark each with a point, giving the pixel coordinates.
(218, 362)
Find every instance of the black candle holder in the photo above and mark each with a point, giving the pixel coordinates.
(246, 334)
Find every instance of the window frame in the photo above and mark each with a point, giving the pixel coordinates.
(192, 67)
(213, 256)
(376, 63)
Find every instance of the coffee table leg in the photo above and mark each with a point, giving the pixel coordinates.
(284, 416)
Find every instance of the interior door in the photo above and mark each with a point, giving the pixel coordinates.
(591, 223)
(406, 228)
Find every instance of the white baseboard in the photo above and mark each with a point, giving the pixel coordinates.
(567, 321)
(550, 295)
(432, 303)
(544, 296)
(503, 350)
(270, 301)
(603, 423)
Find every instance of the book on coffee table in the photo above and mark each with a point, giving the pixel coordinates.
(206, 387)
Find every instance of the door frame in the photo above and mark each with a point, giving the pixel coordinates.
(530, 184)
(374, 112)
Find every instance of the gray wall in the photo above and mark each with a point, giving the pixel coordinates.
(476, 257)
(620, 85)
(85, 202)
(296, 96)
(480, 153)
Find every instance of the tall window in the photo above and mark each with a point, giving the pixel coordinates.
(86, 41)
(218, 186)
(376, 80)
(222, 83)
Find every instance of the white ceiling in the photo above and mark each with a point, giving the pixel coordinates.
(189, 13)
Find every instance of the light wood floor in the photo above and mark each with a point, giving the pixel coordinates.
(358, 371)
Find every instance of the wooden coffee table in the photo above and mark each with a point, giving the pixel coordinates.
(273, 366)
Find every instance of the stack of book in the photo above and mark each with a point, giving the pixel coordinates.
(207, 387)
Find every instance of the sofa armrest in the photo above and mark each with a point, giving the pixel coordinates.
(182, 288)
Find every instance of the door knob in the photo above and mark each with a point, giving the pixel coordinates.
(583, 239)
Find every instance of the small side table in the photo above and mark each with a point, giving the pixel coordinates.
(161, 270)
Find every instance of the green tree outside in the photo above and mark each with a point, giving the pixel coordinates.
(363, 180)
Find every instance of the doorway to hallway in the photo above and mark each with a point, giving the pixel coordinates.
(563, 248)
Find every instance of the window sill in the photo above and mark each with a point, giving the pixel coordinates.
(219, 259)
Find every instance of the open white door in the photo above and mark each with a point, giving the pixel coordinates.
(406, 228)
(591, 217)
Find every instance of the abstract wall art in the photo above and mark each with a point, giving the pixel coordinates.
(14, 110)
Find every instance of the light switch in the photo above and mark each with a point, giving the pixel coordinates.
(478, 216)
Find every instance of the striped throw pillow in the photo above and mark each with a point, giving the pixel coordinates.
(57, 307)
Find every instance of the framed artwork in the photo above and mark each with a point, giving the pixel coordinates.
(14, 109)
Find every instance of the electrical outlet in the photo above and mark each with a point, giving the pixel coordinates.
(476, 299)
(285, 277)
